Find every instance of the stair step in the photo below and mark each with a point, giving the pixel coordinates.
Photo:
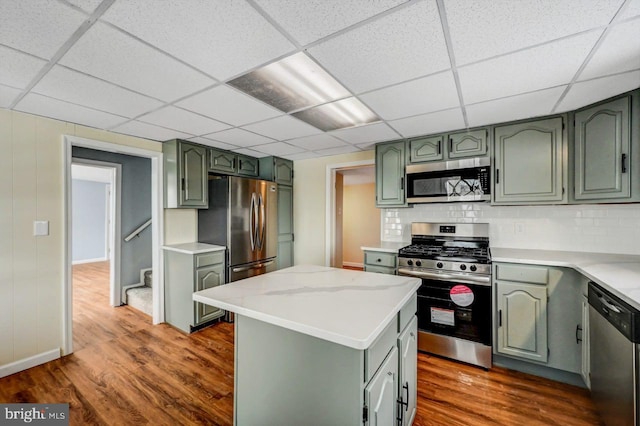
(141, 298)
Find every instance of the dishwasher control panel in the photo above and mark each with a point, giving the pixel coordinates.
(620, 314)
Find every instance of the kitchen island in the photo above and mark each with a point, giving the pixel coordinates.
(319, 345)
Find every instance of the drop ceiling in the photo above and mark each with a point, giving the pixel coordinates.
(159, 70)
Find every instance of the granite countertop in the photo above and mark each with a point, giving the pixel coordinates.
(350, 308)
(386, 246)
(193, 248)
(619, 273)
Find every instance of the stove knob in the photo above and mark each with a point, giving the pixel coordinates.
(439, 265)
(463, 267)
(473, 268)
(418, 263)
(409, 262)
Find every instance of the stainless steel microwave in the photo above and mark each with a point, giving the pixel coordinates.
(448, 181)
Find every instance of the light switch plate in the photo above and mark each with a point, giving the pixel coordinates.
(40, 228)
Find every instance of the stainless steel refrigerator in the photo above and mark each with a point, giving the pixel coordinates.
(243, 216)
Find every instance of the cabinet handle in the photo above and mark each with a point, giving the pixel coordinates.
(497, 176)
(182, 184)
(402, 183)
(239, 164)
(406, 387)
(451, 145)
(624, 163)
(379, 260)
(439, 148)
(233, 164)
(500, 318)
(578, 330)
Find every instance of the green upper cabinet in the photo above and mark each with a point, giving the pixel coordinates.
(185, 168)
(602, 152)
(247, 166)
(426, 149)
(279, 170)
(468, 144)
(528, 166)
(390, 174)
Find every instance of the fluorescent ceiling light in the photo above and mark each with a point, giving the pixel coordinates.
(295, 84)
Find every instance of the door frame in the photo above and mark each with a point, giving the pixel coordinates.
(157, 225)
(114, 230)
(330, 203)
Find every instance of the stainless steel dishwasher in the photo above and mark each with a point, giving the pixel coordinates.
(614, 330)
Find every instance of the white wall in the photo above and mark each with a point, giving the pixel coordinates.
(32, 268)
(601, 228)
(89, 221)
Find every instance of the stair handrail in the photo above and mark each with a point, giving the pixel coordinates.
(138, 230)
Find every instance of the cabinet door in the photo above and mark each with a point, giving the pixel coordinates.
(468, 144)
(285, 226)
(426, 149)
(193, 175)
(528, 162)
(208, 277)
(380, 395)
(408, 371)
(602, 147)
(222, 161)
(247, 166)
(586, 360)
(522, 320)
(283, 171)
(390, 162)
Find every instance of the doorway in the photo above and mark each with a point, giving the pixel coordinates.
(353, 220)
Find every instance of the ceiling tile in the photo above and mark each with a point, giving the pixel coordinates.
(616, 53)
(282, 128)
(234, 35)
(229, 105)
(301, 156)
(71, 86)
(482, 29)
(633, 9)
(8, 95)
(88, 6)
(38, 27)
(18, 69)
(540, 67)
(366, 146)
(429, 123)
(184, 121)
(372, 133)
(60, 110)
(339, 150)
(149, 131)
(514, 108)
(279, 148)
(293, 16)
(215, 144)
(369, 56)
(316, 142)
(251, 152)
(428, 94)
(111, 55)
(239, 137)
(587, 92)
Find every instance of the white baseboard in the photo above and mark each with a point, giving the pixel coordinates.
(99, 259)
(353, 264)
(26, 363)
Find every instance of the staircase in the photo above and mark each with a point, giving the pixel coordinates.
(141, 297)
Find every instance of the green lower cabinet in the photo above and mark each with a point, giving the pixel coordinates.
(381, 262)
(208, 277)
(408, 372)
(381, 394)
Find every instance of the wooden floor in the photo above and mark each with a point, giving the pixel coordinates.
(126, 371)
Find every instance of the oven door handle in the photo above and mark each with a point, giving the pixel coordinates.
(466, 279)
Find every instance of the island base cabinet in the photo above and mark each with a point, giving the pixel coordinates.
(380, 395)
(408, 372)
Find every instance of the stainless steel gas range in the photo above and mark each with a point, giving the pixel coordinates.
(454, 301)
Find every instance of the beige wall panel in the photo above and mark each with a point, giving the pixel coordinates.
(361, 221)
(180, 226)
(6, 238)
(106, 136)
(309, 195)
(25, 333)
(50, 249)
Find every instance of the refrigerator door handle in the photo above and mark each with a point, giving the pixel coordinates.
(263, 221)
(257, 266)
(253, 221)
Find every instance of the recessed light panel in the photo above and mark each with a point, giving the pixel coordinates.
(291, 84)
(344, 113)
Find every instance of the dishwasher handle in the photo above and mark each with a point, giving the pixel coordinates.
(624, 317)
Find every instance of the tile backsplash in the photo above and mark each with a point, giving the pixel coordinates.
(612, 228)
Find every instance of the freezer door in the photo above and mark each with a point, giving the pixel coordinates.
(236, 273)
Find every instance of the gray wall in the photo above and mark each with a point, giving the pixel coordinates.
(89, 220)
(135, 209)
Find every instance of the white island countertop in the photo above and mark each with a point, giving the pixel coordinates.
(350, 308)
(619, 273)
(193, 248)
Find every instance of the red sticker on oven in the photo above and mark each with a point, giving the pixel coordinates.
(461, 295)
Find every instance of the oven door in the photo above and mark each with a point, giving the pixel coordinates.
(456, 309)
